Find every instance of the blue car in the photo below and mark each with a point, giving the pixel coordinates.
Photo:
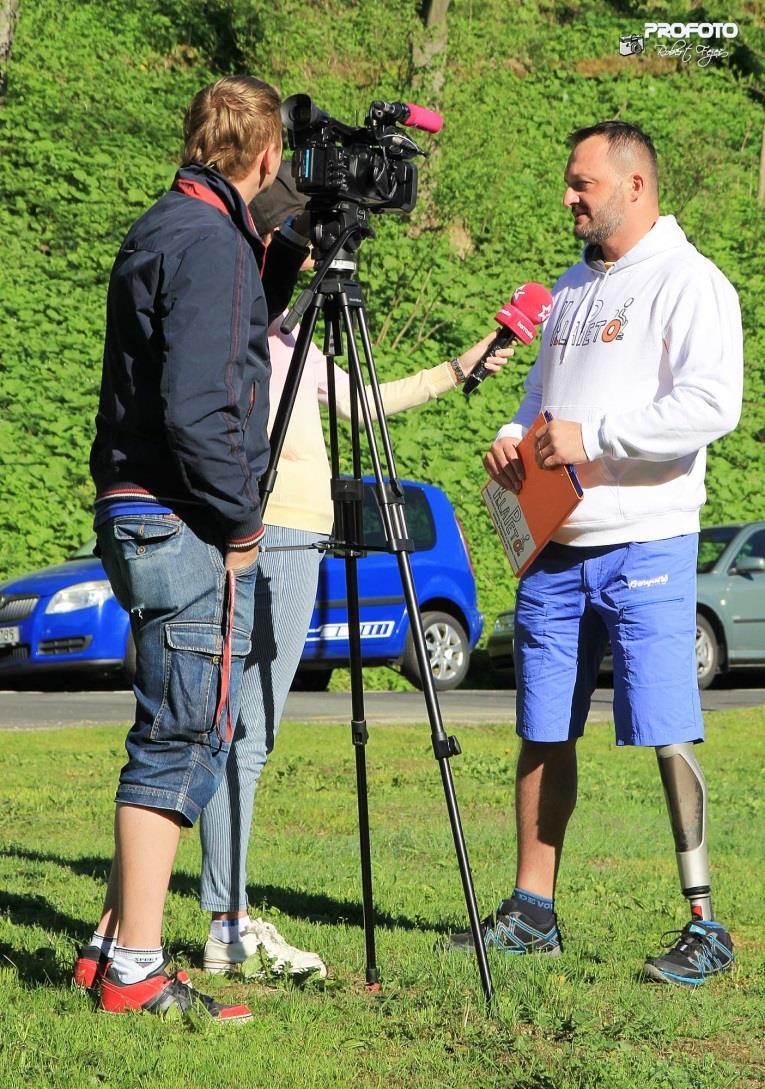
(66, 617)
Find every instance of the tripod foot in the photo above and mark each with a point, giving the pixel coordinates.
(374, 988)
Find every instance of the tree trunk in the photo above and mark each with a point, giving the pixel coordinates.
(9, 13)
(434, 13)
(429, 53)
(429, 56)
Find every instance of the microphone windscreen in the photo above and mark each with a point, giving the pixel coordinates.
(534, 300)
(529, 307)
(420, 118)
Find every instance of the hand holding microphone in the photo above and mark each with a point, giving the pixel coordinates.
(464, 364)
(529, 307)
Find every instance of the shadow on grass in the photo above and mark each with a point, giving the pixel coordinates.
(319, 908)
(315, 906)
(96, 866)
(39, 966)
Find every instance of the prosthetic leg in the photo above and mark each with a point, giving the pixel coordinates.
(703, 947)
(686, 794)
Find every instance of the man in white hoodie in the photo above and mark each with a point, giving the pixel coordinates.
(641, 368)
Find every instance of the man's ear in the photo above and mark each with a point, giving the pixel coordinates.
(272, 157)
(637, 186)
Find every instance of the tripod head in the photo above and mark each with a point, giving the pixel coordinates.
(337, 231)
(345, 222)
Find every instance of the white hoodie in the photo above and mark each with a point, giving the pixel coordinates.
(647, 355)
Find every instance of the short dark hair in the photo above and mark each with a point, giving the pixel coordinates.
(622, 137)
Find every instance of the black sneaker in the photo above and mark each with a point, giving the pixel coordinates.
(514, 932)
(703, 949)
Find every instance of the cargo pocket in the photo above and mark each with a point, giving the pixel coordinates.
(141, 534)
(530, 642)
(193, 652)
(657, 640)
(149, 554)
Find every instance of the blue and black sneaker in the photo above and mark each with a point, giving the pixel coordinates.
(703, 949)
(512, 931)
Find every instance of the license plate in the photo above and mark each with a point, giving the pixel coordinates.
(9, 637)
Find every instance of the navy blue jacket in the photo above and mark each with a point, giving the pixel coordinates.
(184, 394)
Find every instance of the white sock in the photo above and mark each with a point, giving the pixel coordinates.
(228, 930)
(244, 925)
(133, 965)
(103, 942)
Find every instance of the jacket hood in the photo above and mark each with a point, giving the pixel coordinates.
(665, 235)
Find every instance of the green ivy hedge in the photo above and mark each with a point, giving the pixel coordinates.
(89, 134)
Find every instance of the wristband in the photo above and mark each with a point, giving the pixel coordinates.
(456, 366)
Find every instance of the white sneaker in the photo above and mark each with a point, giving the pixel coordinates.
(261, 951)
(283, 956)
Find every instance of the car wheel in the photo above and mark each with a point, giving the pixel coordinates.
(448, 650)
(311, 680)
(707, 652)
(129, 661)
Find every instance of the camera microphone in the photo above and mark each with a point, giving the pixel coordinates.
(407, 113)
(530, 306)
(421, 118)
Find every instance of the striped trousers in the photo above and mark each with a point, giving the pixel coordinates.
(284, 597)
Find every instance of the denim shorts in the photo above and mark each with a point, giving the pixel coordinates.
(171, 580)
(639, 596)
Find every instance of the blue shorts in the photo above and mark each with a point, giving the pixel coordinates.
(642, 598)
(171, 580)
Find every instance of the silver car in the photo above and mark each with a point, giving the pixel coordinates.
(730, 617)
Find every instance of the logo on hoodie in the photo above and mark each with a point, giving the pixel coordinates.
(593, 327)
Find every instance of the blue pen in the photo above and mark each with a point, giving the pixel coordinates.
(569, 468)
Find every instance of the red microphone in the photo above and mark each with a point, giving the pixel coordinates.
(421, 118)
(407, 113)
(530, 306)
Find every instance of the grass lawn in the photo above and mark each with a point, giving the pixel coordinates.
(575, 1022)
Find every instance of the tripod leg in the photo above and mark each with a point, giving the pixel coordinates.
(392, 510)
(444, 748)
(359, 735)
(348, 498)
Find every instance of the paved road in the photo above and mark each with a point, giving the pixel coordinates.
(39, 710)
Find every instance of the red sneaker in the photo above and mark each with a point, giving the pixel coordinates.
(90, 967)
(165, 993)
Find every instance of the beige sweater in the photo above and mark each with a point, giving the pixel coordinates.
(301, 497)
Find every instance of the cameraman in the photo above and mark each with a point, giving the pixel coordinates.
(300, 512)
(180, 444)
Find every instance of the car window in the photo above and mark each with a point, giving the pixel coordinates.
(712, 544)
(753, 546)
(419, 519)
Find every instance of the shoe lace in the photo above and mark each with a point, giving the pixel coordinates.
(187, 995)
(262, 927)
(684, 941)
(268, 934)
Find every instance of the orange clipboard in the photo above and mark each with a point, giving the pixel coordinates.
(525, 522)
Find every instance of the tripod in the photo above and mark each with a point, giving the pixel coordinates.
(336, 292)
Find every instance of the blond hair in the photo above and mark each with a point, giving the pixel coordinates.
(229, 123)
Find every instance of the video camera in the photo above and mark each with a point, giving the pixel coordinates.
(367, 164)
